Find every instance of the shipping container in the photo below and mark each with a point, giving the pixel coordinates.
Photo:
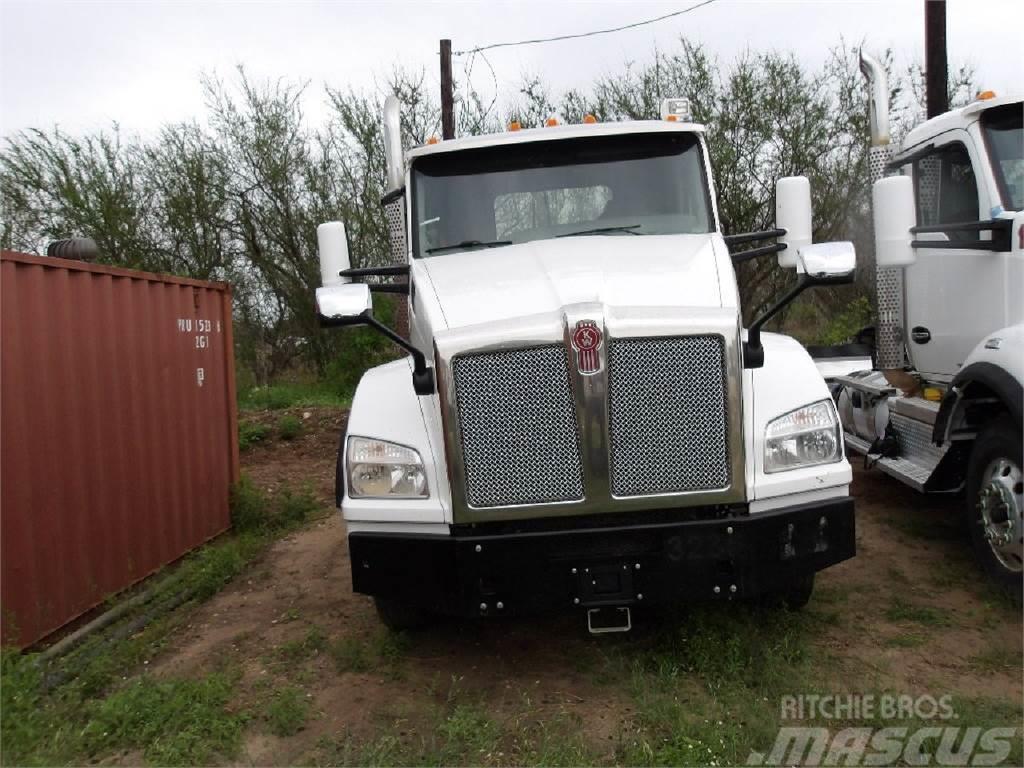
(118, 432)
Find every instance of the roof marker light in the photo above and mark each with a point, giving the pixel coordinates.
(551, 122)
(986, 95)
(514, 125)
(432, 140)
(589, 119)
(676, 110)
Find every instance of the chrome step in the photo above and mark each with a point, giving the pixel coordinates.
(914, 472)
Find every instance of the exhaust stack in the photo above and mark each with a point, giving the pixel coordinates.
(393, 143)
(887, 282)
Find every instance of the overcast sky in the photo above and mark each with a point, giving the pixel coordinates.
(84, 64)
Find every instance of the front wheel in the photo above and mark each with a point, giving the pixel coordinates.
(799, 592)
(995, 498)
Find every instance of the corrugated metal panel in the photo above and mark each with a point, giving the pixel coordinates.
(119, 432)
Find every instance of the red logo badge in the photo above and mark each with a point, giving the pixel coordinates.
(586, 340)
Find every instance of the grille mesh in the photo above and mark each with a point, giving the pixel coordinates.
(668, 424)
(518, 427)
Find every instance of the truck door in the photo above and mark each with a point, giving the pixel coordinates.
(953, 297)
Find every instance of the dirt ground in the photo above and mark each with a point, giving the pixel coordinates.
(912, 556)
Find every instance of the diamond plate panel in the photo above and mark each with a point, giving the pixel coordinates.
(915, 439)
(518, 427)
(668, 418)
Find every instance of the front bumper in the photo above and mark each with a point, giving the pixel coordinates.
(470, 574)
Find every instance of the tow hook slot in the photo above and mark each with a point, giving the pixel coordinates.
(601, 621)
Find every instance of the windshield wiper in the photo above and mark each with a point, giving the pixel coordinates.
(470, 244)
(601, 230)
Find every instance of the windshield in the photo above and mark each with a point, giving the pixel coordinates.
(610, 186)
(1005, 141)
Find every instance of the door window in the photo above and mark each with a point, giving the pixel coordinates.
(945, 187)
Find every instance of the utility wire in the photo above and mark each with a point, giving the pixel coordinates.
(583, 34)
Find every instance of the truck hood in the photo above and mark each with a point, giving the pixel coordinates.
(542, 276)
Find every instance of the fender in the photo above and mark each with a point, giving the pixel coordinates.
(386, 407)
(995, 367)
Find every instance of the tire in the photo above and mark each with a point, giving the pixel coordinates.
(399, 617)
(995, 505)
(798, 594)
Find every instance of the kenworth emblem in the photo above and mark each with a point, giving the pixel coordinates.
(586, 340)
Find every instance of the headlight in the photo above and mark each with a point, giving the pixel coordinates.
(378, 469)
(803, 438)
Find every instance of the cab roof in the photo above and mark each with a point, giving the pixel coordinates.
(553, 133)
(960, 117)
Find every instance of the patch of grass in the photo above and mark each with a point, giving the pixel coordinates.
(173, 722)
(250, 433)
(289, 427)
(253, 511)
(314, 641)
(905, 641)
(467, 736)
(351, 654)
(287, 712)
(277, 397)
(996, 659)
(901, 611)
(381, 651)
(77, 710)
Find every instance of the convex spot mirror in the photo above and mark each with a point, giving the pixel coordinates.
(828, 262)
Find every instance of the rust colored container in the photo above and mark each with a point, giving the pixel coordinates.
(119, 441)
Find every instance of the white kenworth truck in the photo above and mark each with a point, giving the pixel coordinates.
(582, 422)
(942, 410)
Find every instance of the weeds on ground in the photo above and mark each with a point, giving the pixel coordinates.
(277, 397)
(250, 433)
(81, 707)
(289, 427)
(313, 642)
(287, 711)
(381, 651)
(173, 722)
(902, 611)
(252, 511)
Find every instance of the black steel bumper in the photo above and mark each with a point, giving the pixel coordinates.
(514, 573)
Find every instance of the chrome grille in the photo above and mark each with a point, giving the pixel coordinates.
(668, 420)
(518, 427)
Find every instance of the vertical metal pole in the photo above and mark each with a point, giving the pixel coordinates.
(936, 72)
(447, 92)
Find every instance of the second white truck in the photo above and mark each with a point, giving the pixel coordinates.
(941, 410)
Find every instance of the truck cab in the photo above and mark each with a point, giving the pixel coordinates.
(582, 422)
(942, 409)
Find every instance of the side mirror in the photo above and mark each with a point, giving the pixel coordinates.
(828, 263)
(332, 243)
(339, 301)
(821, 264)
(793, 214)
(343, 304)
(894, 214)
